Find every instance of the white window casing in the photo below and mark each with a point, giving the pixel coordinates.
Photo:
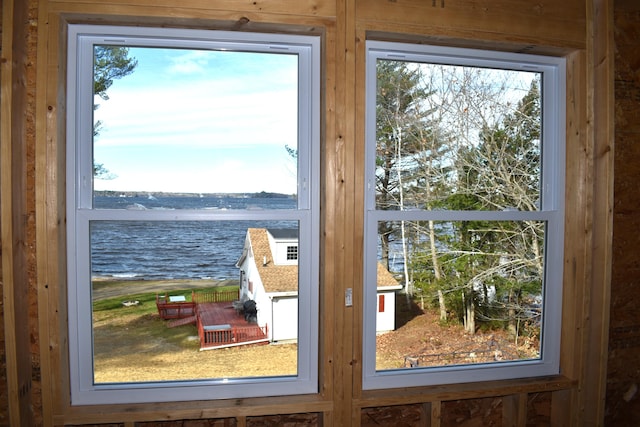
(550, 211)
(80, 213)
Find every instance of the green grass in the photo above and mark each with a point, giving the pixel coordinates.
(147, 300)
(145, 321)
(141, 323)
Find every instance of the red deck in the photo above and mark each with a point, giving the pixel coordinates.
(174, 310)
(220, 313)
(220, 325)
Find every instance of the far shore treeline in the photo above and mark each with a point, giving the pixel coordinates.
(259, 195)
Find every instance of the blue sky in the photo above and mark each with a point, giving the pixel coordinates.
(200, 121)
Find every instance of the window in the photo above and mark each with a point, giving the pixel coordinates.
(464, 207)
(292, 253)
(179, 143)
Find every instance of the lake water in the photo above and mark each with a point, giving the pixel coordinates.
(175, 249)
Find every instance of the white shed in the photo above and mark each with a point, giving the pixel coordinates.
(269, 276)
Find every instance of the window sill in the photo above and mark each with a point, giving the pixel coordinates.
(228, 408)
(477, 390)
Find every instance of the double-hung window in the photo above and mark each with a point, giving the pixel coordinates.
(464, 208)
(186, 149)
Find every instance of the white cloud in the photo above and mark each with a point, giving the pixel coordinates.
(186, 122)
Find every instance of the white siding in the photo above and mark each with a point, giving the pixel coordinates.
(385, 320)
(285, 315)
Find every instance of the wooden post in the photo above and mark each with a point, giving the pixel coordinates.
(600, 80)
(13, 211)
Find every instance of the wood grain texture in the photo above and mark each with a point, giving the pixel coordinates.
(572, 29)
(14, 214)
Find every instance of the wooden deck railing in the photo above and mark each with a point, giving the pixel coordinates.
(174, 310)
(227, 335)
(223, 296)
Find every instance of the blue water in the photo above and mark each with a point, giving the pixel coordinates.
(175, 249)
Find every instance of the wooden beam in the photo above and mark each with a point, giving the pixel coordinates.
(339, 187)
(13, 217)
(514, 410)
(600, 81)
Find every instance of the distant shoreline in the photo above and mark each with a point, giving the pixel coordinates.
(112, 288)
(145, 193)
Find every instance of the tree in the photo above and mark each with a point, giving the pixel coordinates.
(109, 63)
(502, 172)
(489, 159)
(510, 161)
(401, 124)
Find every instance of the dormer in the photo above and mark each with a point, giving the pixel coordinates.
(283, 243)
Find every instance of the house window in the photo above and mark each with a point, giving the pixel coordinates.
(292, 253)
(179, 142)
(464, 203)
(380, 303)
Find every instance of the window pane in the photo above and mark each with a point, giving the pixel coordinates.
(456, 137)
(193, 168)
(199, 122)
(477, 289)
(163, 290)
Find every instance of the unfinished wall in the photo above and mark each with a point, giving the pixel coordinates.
(19, 362)
(546, 26)
(623, 376)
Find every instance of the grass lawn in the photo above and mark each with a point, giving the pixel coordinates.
(133, 344)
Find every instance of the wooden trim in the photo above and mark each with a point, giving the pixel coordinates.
(463, 391)
(235, 408)
(50, 216)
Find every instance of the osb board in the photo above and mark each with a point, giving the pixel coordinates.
(539, 409)
(395, 416)
(623, 378)
(97, 425)
(222, 422)
(472, 413)
(4, 401)
(309, 419)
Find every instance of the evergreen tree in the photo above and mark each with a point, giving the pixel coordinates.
(109, 63)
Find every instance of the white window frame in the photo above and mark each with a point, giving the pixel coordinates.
(552, 211)
(80, 213)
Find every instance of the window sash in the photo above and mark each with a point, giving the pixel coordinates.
(80, 213)
(551, 211)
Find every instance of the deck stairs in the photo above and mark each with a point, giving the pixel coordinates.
(183, 321)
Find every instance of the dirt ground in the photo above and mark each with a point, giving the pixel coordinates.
(421, 340)
(123, 355)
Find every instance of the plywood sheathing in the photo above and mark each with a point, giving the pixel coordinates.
(623, 376)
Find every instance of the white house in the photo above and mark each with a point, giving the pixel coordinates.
(269, 276)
